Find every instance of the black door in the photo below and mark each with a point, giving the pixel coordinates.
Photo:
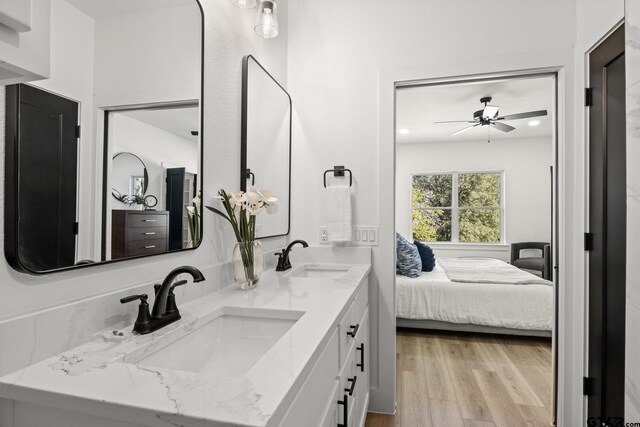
(607, 228)
(175, 206)
(42, 129)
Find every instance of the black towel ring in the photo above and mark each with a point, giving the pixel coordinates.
(338, 171)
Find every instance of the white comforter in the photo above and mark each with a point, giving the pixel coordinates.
(433, 296)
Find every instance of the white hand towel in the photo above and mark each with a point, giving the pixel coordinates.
(337, 205)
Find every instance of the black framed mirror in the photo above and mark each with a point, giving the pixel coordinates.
(266, 143)
(104, 157)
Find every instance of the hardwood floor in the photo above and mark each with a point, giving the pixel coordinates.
(470, 380)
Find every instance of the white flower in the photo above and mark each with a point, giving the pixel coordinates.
(237, 199)
(196, 200)
(191, 210)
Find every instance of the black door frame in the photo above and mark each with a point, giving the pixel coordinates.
(604, 385)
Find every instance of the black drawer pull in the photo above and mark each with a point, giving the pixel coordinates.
(352, 388)
(152, 233)
(360, 365)
(150, 246)
(353, 330)
(150, 220)
(345, 410)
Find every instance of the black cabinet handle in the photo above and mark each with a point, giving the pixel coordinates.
(353, 330)
(345, 410)
(360, 365)
(352, 388)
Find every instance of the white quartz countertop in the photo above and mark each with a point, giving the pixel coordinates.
(96, 379)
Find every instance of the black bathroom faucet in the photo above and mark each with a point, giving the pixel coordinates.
(283, 260)
(165, 310)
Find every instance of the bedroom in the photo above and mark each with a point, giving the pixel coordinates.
(479, 195)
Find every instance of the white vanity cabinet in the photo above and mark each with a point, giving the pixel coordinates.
(336, 392)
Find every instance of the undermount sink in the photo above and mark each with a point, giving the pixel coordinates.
(321, 271)
(229, 344)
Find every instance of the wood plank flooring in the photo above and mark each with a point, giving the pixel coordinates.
(469, 380)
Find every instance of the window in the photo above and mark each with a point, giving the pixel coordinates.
(457, 207)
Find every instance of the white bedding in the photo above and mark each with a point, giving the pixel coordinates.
(433, 296)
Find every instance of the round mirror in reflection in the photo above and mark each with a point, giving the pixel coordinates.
(130, 178)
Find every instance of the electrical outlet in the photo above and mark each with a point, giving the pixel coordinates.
(324, 235)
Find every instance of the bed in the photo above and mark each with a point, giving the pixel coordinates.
(434, 301)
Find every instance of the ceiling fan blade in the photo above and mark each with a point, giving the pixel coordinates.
(455, 121)
(503, 127)
(465, 129)
(524, 115)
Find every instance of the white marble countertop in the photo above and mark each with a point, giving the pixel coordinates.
(95, 378)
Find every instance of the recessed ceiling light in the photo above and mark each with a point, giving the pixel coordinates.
(403, 131)
(534, 123)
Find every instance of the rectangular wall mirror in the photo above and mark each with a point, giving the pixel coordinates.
(104, 159)
(266, 143)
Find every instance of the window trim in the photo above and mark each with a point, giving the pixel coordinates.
(455, 208)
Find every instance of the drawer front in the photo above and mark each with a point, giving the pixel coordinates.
(146, 220)
(362, 371)
(146, 233)
(351, 321)
(348, 388)
(317, 390)
(143, 247)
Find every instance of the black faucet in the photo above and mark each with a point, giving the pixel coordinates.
(165, 310)
(283, 257)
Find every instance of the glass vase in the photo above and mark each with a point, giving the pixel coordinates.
(247, 263)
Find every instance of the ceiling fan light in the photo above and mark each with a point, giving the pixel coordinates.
(490, 111)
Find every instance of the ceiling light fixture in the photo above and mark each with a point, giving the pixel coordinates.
(267, 20)
(533, 123)
(244, 4)
(403, 131)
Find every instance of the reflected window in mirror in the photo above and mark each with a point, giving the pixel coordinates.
(266, 143)
(71, 161)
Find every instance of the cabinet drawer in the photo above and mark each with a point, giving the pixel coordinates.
(348, 387)
(146, 233)
(142, 247)
(146, 220)
(351, 322)
(317, 390)
(330, 417)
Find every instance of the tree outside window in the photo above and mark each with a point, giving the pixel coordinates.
(457, 207)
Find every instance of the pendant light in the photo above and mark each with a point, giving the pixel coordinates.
(267, 20)
(244, 4)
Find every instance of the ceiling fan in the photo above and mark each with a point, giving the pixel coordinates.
(488, 116)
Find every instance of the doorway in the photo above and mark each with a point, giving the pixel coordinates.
(450, 175)
(606, 239)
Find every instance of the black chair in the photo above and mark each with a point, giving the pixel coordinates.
(540, 264)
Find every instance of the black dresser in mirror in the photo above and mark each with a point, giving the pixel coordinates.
(103, 159)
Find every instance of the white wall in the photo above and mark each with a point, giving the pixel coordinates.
(632, 60)
(527, 178)
(339, 53)
(154, 146)
(228, 37)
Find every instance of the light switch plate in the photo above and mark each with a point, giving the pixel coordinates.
(365, 236)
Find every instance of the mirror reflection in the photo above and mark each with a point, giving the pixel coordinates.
(266, 143)
(104, 157)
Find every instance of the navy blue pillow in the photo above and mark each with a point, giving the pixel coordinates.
(426, 255)
(408, 258)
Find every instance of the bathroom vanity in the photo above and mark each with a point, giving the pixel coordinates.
(293, 352)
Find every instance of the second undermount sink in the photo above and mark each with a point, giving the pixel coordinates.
(229, 344)
(321, 271)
